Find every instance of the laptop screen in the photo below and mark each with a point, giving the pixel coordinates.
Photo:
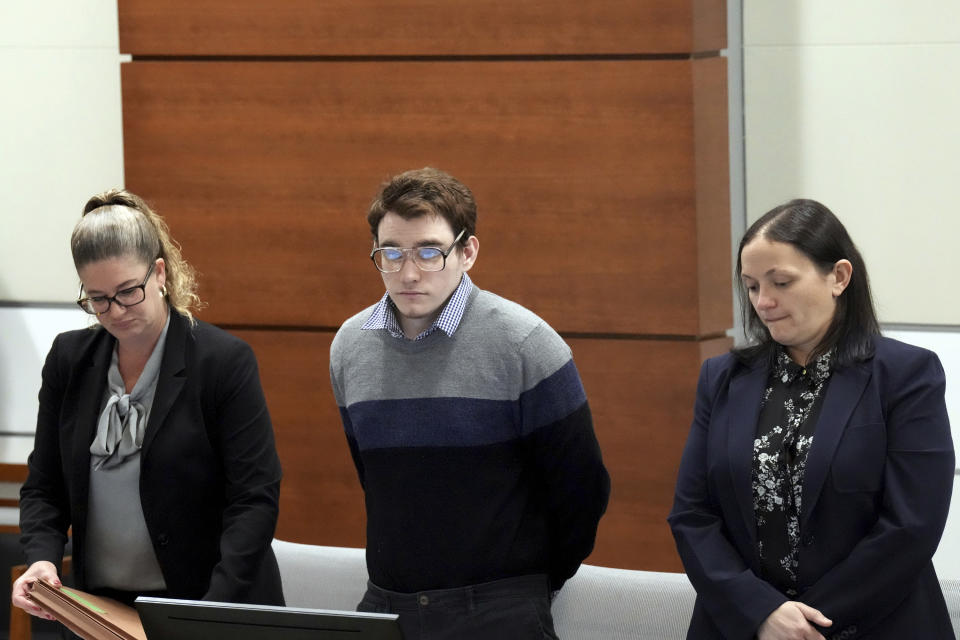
(167, 619)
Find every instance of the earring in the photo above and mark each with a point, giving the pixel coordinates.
(163, 291)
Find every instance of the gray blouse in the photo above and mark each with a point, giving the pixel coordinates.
(119, 552)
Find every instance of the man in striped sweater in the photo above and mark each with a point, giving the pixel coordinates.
(469, 428)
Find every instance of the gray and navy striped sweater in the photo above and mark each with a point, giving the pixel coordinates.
(476, 451)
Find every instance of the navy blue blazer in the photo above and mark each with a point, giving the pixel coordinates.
(209, 471)
(876, 492)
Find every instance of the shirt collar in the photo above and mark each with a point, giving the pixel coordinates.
(817, 371)
(384, 315)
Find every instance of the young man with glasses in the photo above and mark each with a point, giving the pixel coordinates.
(469, 428)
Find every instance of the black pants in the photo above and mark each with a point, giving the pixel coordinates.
(508, 609)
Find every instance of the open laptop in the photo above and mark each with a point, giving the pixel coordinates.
(168, 619)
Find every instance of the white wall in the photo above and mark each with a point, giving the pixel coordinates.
(60, 136)
(60, 142)
(855, 104)
(28, 332)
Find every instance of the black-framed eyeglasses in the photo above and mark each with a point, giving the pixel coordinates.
(390, 259)
(125, 297)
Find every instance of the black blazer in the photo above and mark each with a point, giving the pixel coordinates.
(209, 471)
(876, 491)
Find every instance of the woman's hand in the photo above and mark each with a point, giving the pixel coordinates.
(21, 588)
(791, 621)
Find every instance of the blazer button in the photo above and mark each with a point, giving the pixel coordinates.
(163, 539)
(807, 540)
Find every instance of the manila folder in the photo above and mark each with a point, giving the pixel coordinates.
(90, 617)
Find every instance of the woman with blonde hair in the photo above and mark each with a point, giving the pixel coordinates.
(153, 439)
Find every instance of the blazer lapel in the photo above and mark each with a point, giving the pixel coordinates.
(843, 394)
(85, 396)
(746, 392)
(171, 378)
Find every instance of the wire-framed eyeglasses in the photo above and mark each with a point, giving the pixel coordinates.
(391, 259)
(95, 305)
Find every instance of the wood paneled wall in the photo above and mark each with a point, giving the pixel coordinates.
(594, 137)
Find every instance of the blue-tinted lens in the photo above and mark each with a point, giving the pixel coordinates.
(391, 254)
(429, 253)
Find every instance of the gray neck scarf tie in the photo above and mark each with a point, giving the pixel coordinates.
(122, 422)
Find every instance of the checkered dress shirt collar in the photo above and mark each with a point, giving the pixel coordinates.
(384, 315)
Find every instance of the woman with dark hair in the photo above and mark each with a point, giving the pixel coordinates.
(153, 442)
(816, 479)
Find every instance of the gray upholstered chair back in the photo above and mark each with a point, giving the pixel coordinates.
(619, 603)
(612, 604)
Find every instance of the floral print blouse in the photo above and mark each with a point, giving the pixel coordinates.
(785, 432)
